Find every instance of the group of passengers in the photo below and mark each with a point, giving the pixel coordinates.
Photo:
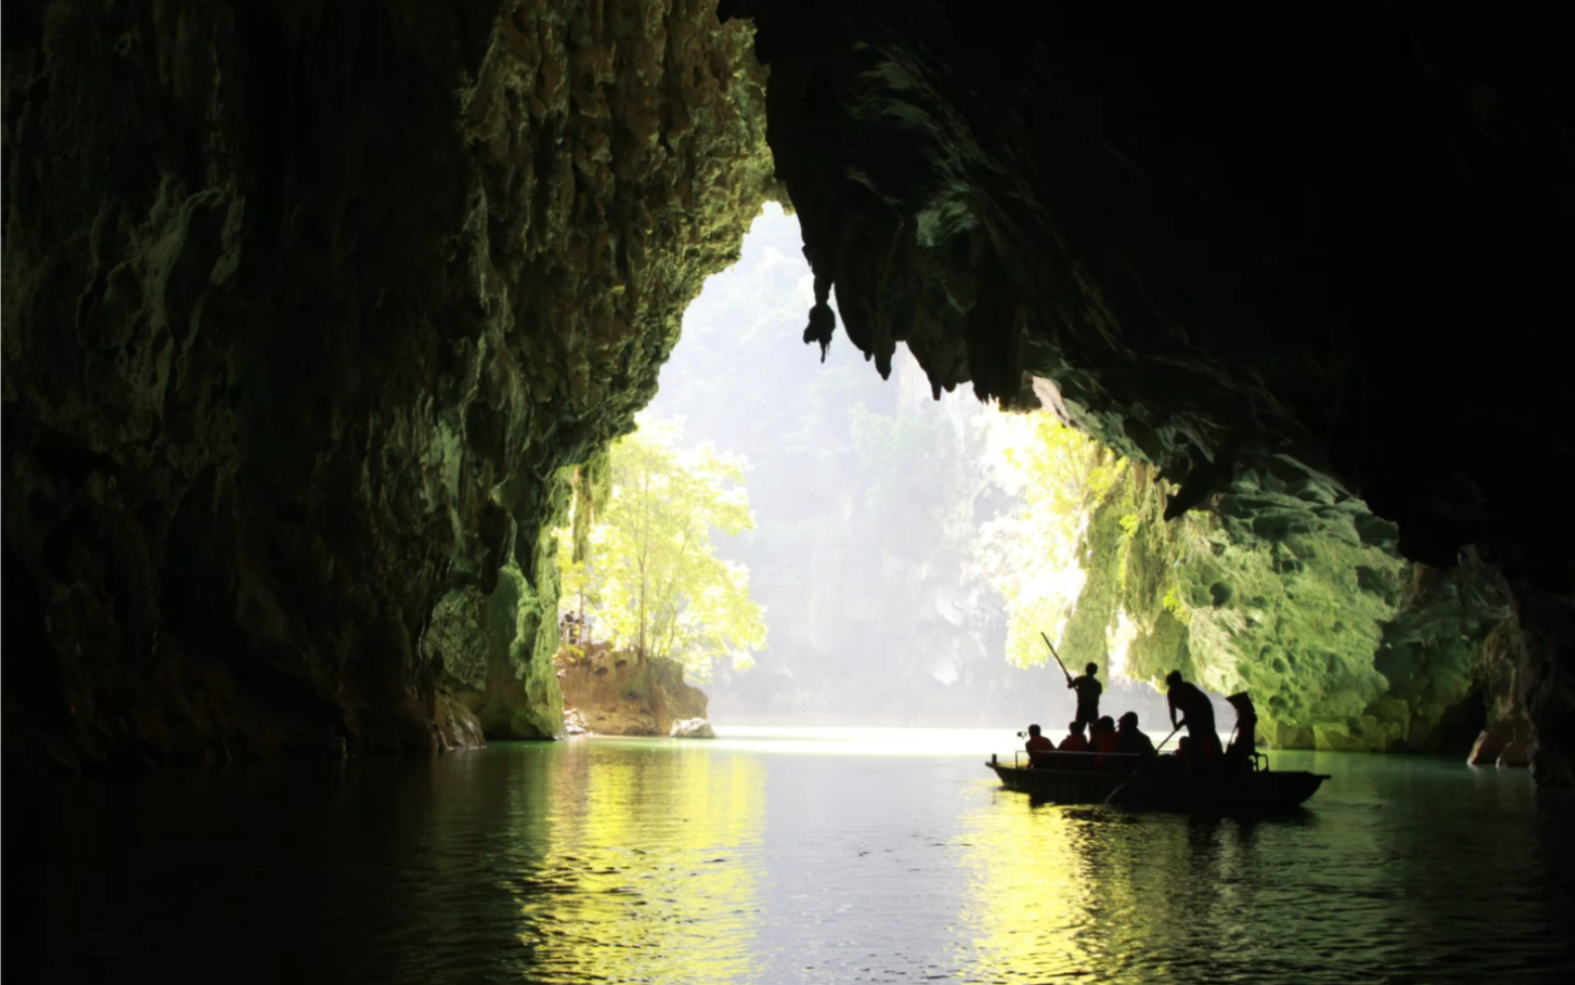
(1190, 708)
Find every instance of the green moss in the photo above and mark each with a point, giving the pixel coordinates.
(1086, 636)
(1296, 598)
(452, 644)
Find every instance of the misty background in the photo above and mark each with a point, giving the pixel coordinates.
(869, 498)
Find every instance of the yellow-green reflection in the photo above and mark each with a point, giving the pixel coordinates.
(1092, 893)
(1029, 893)
(653, 865)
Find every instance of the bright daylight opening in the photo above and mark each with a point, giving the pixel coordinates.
(813, 545)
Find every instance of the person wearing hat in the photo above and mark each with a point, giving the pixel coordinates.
(1197, 714)
(1241, 748)
(1129, 740)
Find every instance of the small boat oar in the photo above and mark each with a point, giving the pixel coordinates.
(1111, 799)
(1167, 738)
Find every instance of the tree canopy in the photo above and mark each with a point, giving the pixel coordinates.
(647, 572)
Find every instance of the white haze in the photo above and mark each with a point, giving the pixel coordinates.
(868, 498)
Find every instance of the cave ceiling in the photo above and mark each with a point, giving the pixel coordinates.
(1322, 250)
(1339, 235)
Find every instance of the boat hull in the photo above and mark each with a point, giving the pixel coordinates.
(1263, 790)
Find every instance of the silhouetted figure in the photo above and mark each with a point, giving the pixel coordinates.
(1241, 748)
(1184, 751)
(1130, 740)
(1102, 739)
(1088, 690)
(1038, 747)
(1197, 714)
(1075, 741)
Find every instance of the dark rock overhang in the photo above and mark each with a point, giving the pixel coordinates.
(1339, 234)
(1239, 239)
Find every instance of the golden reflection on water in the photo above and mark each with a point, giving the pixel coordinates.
(653, 867)
(1087, 893)
(661, 861)
(1029, 884)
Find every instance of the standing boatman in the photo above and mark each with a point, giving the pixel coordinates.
(1087, 687)
(1088, 691)
(1197, 714)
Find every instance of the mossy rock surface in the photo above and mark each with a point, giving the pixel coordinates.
(1294, 593)
(304, 318)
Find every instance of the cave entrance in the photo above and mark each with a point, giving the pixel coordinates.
(900, 545)
(906, 552)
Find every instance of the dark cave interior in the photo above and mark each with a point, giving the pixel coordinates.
(307, 306)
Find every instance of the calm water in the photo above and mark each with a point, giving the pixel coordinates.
(812, 856)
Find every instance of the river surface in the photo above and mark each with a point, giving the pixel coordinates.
(774, 856)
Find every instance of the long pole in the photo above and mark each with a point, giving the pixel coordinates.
(1057, 656)
(1172, 735)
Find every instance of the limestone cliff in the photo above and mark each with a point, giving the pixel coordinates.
(1240, 239)
(305, 308)
(1303, 600)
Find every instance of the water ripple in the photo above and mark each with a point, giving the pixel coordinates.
(816, 861)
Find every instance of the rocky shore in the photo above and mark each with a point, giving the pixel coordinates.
(610, 692)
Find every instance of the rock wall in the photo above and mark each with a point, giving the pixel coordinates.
(305, 308)
(1302, 600)
(1238, 239)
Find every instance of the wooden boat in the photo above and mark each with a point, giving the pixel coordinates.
(1157, 782)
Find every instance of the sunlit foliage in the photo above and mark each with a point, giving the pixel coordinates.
(1033, 553)
(905, 544)
(647, 573)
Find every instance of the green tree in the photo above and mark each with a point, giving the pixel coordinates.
(648, 572)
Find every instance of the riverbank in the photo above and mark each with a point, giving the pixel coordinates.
(611, 692)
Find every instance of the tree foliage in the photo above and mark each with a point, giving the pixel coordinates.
(1034, 553)
(646, 569)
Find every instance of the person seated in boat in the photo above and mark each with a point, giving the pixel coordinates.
(1129, 739)
(1197, 714)
(1183, 751)
(1242, 747)
(1038, 747)
(1075, 741)
(1102, 740)
(1088, 690)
